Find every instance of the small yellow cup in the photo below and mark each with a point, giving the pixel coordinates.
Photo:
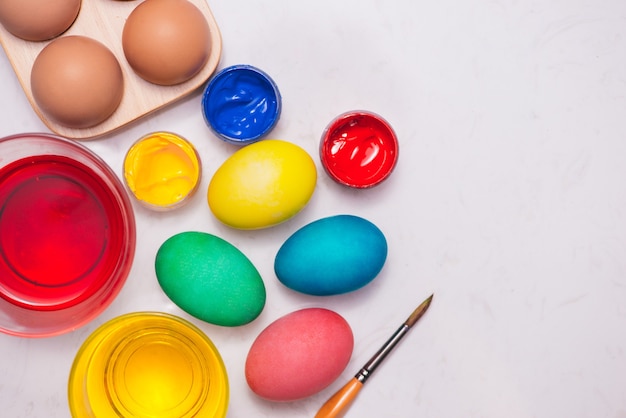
(148, 364)
(162, 170)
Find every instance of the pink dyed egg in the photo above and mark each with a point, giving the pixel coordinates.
(299, 354)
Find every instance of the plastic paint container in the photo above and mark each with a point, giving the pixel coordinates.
(148, 365)
(241, 104)
(162, 170)
(359, 149)
(67, 235)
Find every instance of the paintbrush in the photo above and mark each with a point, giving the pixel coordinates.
(338, 404)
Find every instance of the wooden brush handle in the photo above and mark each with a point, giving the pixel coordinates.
(338, 404)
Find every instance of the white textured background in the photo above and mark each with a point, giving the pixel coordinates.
(508, 202)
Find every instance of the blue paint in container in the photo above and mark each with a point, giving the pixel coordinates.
(241, 104)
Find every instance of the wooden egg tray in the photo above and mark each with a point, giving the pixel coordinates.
(103, 20)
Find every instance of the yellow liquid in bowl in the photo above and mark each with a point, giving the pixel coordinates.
(148, 365)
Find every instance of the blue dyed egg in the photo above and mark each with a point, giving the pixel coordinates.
(331, 256)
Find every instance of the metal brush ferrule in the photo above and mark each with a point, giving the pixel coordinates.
(380, 355)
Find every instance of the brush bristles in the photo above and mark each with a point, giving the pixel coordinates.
(419, 311)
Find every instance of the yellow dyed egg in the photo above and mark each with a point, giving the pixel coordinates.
(262, 184)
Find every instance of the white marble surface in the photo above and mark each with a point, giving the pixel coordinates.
(508, 203)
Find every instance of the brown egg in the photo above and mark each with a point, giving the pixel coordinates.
(77, 81)
(166, 42)
(38, 20)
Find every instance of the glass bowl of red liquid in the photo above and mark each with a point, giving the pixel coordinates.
(67, 235)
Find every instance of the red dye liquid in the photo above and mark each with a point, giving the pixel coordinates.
(359, 150)
(57, 232)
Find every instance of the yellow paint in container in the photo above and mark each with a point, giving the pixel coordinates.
(148, 364)
(162, 170)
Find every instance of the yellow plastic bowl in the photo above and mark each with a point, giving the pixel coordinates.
(148, 364)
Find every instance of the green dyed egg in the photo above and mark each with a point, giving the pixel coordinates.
(210, 279)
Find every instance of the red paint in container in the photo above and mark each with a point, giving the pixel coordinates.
(67, 235)
(56, 240)
(359, 149)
